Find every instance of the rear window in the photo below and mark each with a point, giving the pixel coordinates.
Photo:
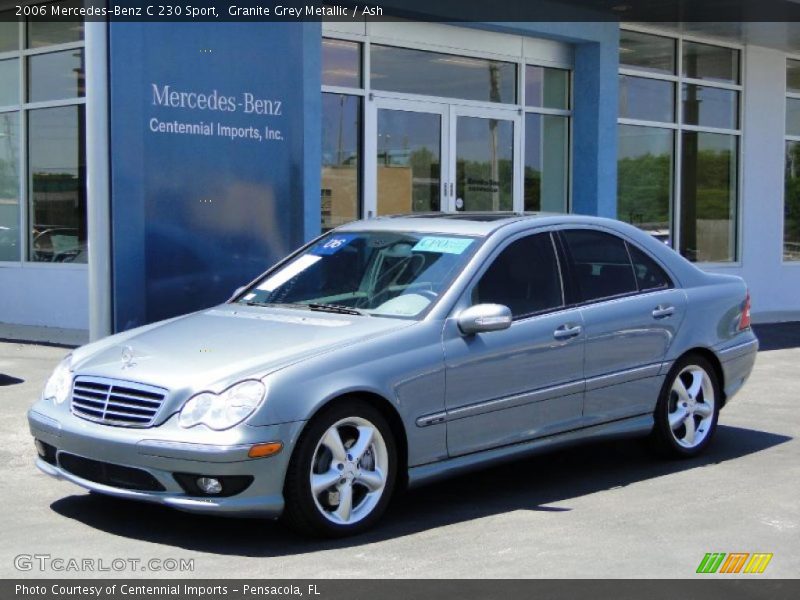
(600, 264)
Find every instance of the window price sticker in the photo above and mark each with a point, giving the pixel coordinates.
(333, 244)
(442, 245)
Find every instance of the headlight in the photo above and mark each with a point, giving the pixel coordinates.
(57, 387)
(225, 410)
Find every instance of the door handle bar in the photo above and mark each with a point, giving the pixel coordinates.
(662, 312)
(567, 331)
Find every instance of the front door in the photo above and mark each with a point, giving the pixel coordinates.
(425, 156)
(509, 386)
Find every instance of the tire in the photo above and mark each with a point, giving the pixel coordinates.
(691, 394)
(363, 469)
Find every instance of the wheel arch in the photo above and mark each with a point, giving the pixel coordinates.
(389, 411)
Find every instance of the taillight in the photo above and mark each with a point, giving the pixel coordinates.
(744, 320)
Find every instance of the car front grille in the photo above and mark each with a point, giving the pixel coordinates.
(121, 403)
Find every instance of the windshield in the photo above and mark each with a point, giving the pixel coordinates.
(389, 274)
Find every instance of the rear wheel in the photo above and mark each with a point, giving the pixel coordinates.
(688, 409)
(342, 473)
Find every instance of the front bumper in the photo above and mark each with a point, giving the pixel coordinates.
(168, 449)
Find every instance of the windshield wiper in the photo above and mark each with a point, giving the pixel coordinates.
(334, 308)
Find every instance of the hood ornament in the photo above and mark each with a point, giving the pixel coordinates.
(127, 358)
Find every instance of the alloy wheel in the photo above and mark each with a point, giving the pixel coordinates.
(691, 406)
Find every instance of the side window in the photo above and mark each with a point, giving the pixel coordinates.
(524, 277)
(649, 276)
(600, 264)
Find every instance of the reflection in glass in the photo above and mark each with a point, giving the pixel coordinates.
(708, 196)
(647, 52)
(9, 32)
(713, 63)
(710, 107)
(546, 163)
(792, 116)
(46, 33)
(548, 88)
(484, 164)
(793, 76)
(9, 186)
(646, 99)
(341, 128)
(9, 82)
(56, 76)
(341, 63)
(434, 74)
(791, 203)
(409, 162)
(645, 164)
(57, 182)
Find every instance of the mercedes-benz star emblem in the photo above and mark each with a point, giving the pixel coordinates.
(127, 358)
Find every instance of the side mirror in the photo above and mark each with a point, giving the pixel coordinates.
(484, 317)
(238, 291)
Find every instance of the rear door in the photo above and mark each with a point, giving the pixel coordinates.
(526, 381)
(630, 311)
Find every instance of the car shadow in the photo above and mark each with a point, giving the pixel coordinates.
(527, 484)
(9, 380)
(777, 336)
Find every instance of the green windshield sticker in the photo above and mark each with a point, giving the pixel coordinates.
(442, 245)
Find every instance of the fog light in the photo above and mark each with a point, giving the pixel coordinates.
(40, 448)
(209, 485)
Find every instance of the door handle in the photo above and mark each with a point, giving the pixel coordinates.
(567, 331)
(662, 312)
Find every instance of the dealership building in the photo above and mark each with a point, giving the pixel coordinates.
(147, 169)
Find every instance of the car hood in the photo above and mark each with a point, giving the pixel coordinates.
(215, 348)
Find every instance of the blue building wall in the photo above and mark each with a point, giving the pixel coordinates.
(201, 207)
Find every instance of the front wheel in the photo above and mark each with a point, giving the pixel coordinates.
(342, 473)
(688, 408)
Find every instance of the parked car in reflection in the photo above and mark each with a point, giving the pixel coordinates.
(398, 351)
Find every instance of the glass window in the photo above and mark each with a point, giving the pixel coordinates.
(793, 76)
(710, 106)
(341, 130)
(712, 63)
(524, 277)
(57, 181)
(647, 52)
(649, 276)
(409, 161)
(48, 33)
(546, 88)
(9, 81)
(791, 206)
(56, 76)
(792, 116)
(646, 99)
(434, 74)
(9, 32)
(600, 264)
(546, 162)
(9, 186)
(645, 171)
(484, 164)
(341, 63)
(708, 196)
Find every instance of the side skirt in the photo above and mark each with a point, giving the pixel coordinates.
(429, 473)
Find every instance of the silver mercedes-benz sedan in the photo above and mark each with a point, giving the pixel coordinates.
(396, 351)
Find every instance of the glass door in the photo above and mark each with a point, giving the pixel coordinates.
(408, 156)
(485, 160)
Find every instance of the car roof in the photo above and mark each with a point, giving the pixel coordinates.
(464, 223)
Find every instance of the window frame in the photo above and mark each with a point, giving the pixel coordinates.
(678, 127)
(787, 137)
(22, 107)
